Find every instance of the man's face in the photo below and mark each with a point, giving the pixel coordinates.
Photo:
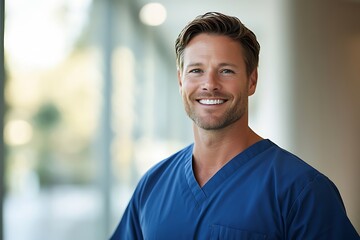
(213, 82)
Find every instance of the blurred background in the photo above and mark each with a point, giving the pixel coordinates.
(89, 101)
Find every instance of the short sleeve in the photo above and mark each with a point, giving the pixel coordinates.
(319, 213)
(129, 226)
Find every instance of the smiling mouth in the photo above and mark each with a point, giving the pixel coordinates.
(211, 101)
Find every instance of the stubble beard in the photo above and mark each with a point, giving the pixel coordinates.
(209, 122)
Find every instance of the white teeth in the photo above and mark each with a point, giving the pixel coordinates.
(211, 101)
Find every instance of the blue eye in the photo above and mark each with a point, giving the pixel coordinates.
(227, 71)
(196, 70)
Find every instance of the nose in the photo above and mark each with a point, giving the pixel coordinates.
(211, 82)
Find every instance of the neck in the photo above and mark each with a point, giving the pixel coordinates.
(214, 148)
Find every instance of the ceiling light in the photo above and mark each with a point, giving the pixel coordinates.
(153, 14)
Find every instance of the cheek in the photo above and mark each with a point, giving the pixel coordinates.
(183, 92)
(187, 87)
(236, 88)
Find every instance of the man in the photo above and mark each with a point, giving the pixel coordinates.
(230, 183)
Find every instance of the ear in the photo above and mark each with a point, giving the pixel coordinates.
(252, 82)
(179, 80)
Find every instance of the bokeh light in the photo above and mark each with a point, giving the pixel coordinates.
(153, 14)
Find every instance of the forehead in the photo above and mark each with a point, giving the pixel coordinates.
(213, 47)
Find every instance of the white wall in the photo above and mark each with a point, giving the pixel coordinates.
(325, 84)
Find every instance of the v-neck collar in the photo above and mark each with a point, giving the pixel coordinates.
(201, 194)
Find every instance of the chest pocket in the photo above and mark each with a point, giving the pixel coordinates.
(219, 232)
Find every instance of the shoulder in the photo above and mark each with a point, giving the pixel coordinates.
(165, 169)
(288, 167)
(169, 162)
(289, 174)
(298, 182)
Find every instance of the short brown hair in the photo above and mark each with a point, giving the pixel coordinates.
(221, 24)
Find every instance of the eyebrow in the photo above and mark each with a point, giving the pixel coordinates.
(197, 64)
(194, 65)
(228, 64)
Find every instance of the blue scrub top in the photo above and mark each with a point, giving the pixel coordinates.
(264, 192)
